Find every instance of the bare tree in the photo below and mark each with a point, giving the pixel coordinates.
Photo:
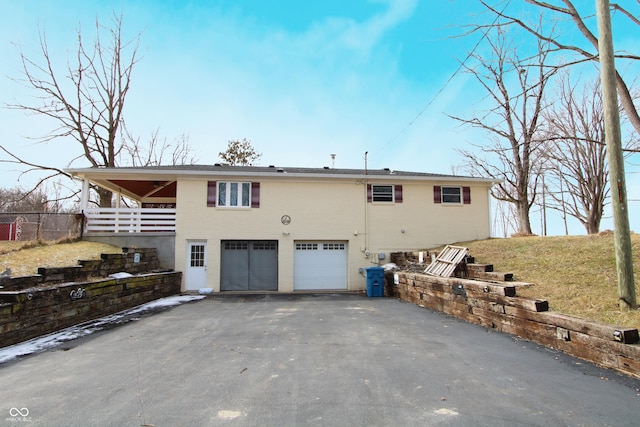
(19, 200)
(157, 151)
(515, 88)
(577, 153)
(86, 100)
(504, 224)
(240, 153)
(566, 11)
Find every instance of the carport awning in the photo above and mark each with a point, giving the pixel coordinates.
(140, 190)
(145, 188)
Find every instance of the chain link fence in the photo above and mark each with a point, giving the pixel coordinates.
(26, 226)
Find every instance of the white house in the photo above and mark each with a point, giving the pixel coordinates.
(283, 229)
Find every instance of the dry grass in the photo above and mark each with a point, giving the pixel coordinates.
(24, 258)
(576, 274)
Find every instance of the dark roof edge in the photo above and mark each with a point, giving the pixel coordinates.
(265, 171)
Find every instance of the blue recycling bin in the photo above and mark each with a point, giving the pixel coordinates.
(375, 281)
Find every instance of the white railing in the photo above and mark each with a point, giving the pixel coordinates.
(129, 220)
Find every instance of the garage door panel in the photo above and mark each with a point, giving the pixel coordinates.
(320, 266)
(263, 266)
(249, 265)
(234, 266)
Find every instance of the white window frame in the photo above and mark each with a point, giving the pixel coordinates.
(229, 194)
(385, 195)
(449, 202)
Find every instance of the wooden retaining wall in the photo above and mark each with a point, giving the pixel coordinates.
(496, 306)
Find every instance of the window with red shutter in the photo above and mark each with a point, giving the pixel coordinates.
(384, 193)
(398, 193)
(211, 194)
(255, 194)
(232, 194)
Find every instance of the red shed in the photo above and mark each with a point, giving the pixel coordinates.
(11, 227)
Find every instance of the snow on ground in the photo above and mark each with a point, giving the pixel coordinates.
(57, 338)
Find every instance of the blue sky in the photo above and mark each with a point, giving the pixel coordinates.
(301, 79)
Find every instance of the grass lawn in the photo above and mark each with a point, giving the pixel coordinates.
(576, 274)
(24, 258)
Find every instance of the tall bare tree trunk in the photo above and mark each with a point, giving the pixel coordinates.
(86, 99)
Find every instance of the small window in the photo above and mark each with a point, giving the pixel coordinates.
(382, 193)
(197, 255)
(234, 194)
(235, 246)
(306, 246)
(452, 195)
(333, 247)
(264, 246)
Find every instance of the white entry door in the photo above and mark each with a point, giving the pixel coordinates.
(196, 266)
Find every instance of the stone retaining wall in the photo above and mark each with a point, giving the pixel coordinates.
(131, 260)
(496, 306)
(57, 298)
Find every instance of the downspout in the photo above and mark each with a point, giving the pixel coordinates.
(366, 206)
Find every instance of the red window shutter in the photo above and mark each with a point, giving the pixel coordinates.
(398, 193)
(437, 194)
(369, 193)
(466, 195)
(211, 194)
(255, 194)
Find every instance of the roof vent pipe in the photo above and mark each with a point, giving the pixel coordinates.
(366, 153)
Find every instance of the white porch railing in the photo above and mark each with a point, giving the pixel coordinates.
(130, 220)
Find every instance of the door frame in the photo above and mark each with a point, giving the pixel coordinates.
(201, 276)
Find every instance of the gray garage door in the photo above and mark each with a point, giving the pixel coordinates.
(249, 265)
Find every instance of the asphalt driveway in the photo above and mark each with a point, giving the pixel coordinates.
(292, 360)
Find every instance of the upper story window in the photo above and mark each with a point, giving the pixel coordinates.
(234, 194)
(452, 195)
(384, 193)
(230, 194)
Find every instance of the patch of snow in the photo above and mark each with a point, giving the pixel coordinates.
(390, 266)
(55, 339)
(121, 275)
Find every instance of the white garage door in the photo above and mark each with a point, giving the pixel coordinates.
(320, 265)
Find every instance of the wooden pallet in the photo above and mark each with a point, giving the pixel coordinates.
(447, 261)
